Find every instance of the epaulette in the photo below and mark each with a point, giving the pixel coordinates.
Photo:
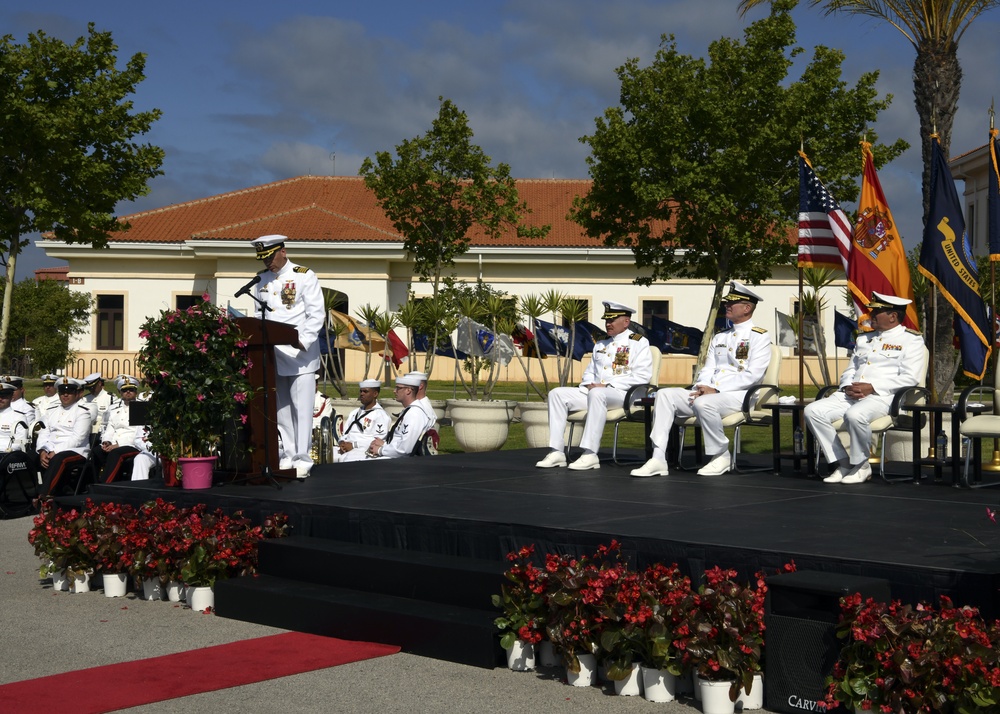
(635, 336)
(300, 269)
(914, 332)
(759, 330)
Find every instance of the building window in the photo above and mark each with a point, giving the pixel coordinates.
(651, 308)
(110, 322)
(578, 308)
(183, 302)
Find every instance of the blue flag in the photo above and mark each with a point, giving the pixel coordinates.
(993, 206)
(946, 260)
(586, 335)
(844, 331)
(421, 343)
(674, 338)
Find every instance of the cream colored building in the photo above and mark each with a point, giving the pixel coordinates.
(173, 254)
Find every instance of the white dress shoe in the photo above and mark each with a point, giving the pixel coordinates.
(552, 460)
(285, 464)
(838, 474)
(859, 474)
(585, 463)
(717, 466)
(653, 467)
(302, 469)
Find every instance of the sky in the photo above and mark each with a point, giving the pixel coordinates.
(255, 92)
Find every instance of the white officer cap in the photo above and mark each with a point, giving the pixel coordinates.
(68, 384)
(740, 292)
(126, 381)
(91, 378)
(7, 387)
(370, 384)
(615, 309)
(408, 380)
(266, 246)
(881, 301)
(49, 378)
(17, 382)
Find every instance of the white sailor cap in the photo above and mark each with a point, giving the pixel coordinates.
(266, 246)
(881, 301)
(92, 378)
(126, 382)
(422, 376)
(17, 382)
(615, 309)
(68, 384)
(49, 378)
(739, 292)
(408, 380)
(7, 389)
(370, 384)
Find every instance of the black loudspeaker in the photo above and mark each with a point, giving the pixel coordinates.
(801, 615)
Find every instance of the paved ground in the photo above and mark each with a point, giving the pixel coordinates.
(44, 632)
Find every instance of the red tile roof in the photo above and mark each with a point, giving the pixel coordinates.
(339, 208)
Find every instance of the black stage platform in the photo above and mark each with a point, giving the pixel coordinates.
(926, 540)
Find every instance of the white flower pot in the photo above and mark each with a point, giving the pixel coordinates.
(755, 698)
(79, 583)
(535, 420)
(715, 697)
(588, 671)
(481, 426)
(200, 599)
(658, 685)
(59, 580)
(521, 656)
(631, 686)
(175, 591)
(152, 589)
(115, 584)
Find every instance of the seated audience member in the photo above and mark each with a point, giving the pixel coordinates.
(14, 432)
(884, 361)
(145, 459)
(619, 362)
(423, 401)
(118, 440)
(65, 439)
(99, 401)
(409, 426)
(49, 399)
(18, 403)
(736, 361)
(363, 425)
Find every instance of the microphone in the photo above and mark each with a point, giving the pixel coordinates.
(246, 288)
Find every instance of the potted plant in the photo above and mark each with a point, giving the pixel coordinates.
(112, 525)
(522, 600)
(660, 619)
(65, 542)
(196, 365)
(901, 658)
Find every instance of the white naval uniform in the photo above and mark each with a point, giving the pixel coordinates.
(67, 430)
(620, 362)
(890, 361)
(44, 404)
(14, 432)
(145, 459)
(425, 404)
(295, 298)
(736, 361)
(26, 409)
(99, 407)
(118, 431)
(403, 436)
(361, 428)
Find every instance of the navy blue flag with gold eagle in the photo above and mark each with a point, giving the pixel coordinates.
(947, 262)
(674, 338)
(993, 204)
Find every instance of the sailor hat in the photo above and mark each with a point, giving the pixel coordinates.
(266, 246)
(370, 384)
(408, 380)
(881, 301)
(127, 382)
(615, 309)
(49, 378)
(91, 379)
(422, 376)
(68, 384)
(17, 382)
(738, 292)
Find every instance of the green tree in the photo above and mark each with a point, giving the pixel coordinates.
(68, 150)
(696, 170)
(441, 186)
(48, 313)
(934, 28)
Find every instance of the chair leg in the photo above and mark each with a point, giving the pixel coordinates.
(569, 441)
(681, 431)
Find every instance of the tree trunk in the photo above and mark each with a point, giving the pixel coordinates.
(720, 285)
(8, 292)
(937, 80)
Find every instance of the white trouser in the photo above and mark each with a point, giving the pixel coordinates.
(858, 414)
(296, 395)
(674, 403)
(597, 401)
(141, 465)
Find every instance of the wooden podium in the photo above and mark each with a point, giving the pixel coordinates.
(244, 450)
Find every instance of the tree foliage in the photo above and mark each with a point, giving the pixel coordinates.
(68, 149)
(48, 313)
(695, 171)
(439, 187)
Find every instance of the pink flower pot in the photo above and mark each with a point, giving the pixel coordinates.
(196, 471)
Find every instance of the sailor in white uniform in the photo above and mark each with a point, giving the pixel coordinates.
(99, 401)
(65, 440)
(14, 432)
(409, 426)
(363, 425)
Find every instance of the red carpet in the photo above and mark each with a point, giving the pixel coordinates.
(131, 684)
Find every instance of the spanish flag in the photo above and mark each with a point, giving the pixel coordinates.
(877, 261)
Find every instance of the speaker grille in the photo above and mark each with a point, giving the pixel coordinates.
(800, 655)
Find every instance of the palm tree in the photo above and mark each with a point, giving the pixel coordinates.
(934, 28)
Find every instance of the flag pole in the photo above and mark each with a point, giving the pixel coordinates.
(801, 373)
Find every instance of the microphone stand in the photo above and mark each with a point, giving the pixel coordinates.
(266, 474)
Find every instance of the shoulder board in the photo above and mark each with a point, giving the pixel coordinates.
(300, 269)
(759, 330)
(635, 336)
(914, 332)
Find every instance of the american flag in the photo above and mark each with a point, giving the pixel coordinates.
(824, 230)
